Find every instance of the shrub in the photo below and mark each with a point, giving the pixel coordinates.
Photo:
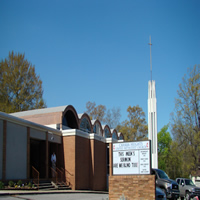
(1, 185)
(30, 185)
(19, 183)
(11, 183)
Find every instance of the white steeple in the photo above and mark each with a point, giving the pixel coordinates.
(152, 117)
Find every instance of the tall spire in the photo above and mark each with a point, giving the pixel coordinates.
(150, 56)
(152, 116)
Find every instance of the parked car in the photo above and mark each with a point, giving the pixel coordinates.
(187, 188)
(168, 186)
(160, 195)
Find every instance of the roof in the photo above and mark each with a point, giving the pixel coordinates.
(24, 122)
(39, 111)
(80, 115)
(93, 121)
(103, 126)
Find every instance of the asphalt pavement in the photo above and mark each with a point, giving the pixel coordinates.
(52, 195)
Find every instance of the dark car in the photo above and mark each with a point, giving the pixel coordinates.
(167, 185)
(187, 188)
(160, 195)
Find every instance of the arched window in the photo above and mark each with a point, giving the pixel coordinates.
(85, 125)
(114, 135)
(97, 129)
(69, 120)
(121, 137)
(106, 133)
(94, 129)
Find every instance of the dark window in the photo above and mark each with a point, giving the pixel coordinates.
(182, 181)
(85, 126)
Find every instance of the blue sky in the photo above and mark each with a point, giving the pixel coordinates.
(97, 50)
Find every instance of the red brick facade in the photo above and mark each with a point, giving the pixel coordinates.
(85, 163)
(136, 187)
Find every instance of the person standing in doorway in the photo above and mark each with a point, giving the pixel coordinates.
(53, 161)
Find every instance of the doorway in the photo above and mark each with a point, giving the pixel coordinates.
(37, 156)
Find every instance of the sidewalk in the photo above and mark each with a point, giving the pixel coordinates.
(21, 192)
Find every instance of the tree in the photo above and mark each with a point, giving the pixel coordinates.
(185, 121)
(110, 117)
(164, 144)
(20, 87)
(170, 156)
(95, 112)
(136, 127)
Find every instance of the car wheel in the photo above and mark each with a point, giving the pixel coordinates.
(187, 196)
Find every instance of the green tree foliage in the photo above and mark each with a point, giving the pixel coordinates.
(110, 117)
(136, 127)
(185, 121)
(164, 144)
(174, 162)
(20, 87)
(170, 157)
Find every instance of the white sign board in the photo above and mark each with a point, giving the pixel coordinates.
(131, 158)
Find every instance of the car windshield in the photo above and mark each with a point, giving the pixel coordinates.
(162, 174)
(188, 182)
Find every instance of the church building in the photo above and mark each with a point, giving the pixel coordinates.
(82, 147)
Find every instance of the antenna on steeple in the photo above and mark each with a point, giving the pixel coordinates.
(150, 57)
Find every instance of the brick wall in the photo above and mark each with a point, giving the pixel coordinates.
(83, 161)
(69, 159)
(98, 177)
(136, 187)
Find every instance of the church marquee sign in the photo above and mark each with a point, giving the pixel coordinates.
(131, 158)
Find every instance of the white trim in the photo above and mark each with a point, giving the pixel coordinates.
(111, 140)
(90, 136)
(94, 136)
(75, 132)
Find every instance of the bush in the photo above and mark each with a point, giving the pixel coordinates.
(19, 183)
(30, 185)
(11, 183)
(1, 185)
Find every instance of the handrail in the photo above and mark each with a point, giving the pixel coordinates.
(67, 171)
(60, 175)
(54, 174)
(36, 176)
(65, 176)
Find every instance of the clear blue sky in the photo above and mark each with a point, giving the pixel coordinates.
(97, 50)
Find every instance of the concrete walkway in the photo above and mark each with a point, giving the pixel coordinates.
(13, 192)
(52, 195)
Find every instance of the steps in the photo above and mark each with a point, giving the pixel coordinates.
(46, 185)
(62, 186)
(50, 185)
